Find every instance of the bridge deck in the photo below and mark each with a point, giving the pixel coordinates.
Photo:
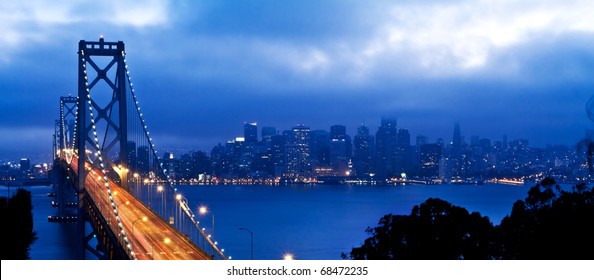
(150, 239)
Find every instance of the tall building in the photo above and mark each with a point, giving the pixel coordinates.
(170, 164)
(298, 158)
(277, 155)
(201, 164)
(403, 157)
(221, 161)
(385, 148)
(143, 159)
(320, 148)
(339, 132)
(267, 133)
(456, 157)
(485, 145)
(363, 152)
(430, 159)
(250, 132)
(457, 139)
(416, 151)
(132, 162)
(340, 149)
(25, 165)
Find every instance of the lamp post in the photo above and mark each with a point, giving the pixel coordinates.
(150, 196)
(144, 219)
(136, 183)
(178, 197)
(160, 190)
(251, 239)
(203, 210)
(127, 202)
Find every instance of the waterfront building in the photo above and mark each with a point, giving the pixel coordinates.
(298, 157)
(363, 152)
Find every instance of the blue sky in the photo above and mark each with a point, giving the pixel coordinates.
(203, 68)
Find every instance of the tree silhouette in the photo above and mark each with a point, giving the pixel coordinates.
(551, 223)
(17, 226)
(434, 230)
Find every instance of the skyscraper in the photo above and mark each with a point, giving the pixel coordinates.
(267, 133)
(143, 159)
(455, 165)
(25, 165)
(430, 159)
(385, 148)
(250, 132)
(320, 148)
(298, 159)
(132, 162)
(221, 161)
(277, 154)
(340, 149)
(363, 152)
(170, 164)
(403, 156)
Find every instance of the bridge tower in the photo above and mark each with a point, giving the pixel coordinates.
(63, 144)
(110, 140)
(102, 115)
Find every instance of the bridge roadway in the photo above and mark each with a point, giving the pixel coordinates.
(150, 239)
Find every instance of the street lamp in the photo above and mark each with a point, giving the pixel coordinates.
(203, 211)
(136, 177)
(127, 202)
(252, 239)
(288, 257)
(144, 219)
(160, 190)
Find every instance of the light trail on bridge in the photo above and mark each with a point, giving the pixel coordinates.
(150, 239)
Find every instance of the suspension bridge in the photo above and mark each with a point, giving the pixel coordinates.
(106, 172)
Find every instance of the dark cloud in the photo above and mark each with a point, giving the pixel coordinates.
(208, 67)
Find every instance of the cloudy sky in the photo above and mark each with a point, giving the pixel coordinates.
(203, 68)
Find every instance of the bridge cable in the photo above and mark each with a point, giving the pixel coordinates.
(183, 202)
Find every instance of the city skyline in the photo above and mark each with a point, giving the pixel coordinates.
(44, 156)
(202, 69)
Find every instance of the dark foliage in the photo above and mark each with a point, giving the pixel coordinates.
(434, 230)
(17, 226)
(550, 223)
